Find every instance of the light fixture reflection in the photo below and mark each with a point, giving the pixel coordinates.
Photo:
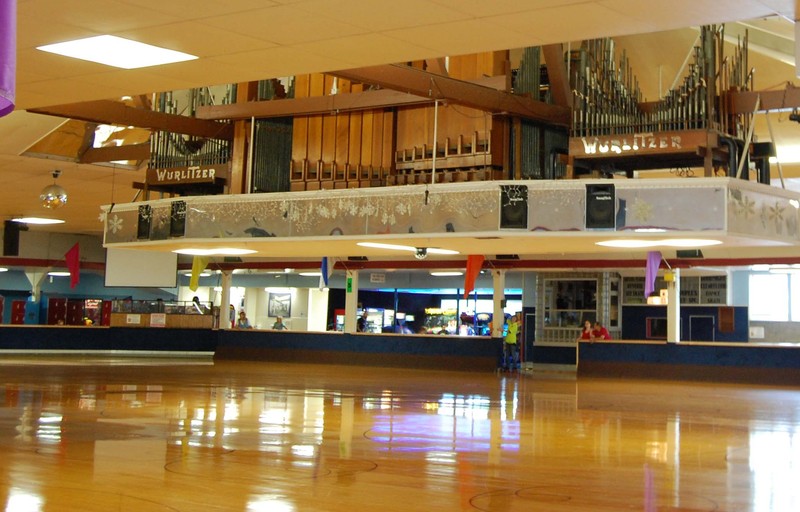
(395, 247)
(37, 220)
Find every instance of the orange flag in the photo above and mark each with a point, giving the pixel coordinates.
(474, 265)
(73, 257)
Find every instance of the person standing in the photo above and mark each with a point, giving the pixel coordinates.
(361, 324)
(279, 325)
(510, 348)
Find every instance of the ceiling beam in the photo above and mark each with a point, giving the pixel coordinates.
(114, 112)
(345, 102)
(436, 87)
(116, 153)
(745, 102)
(557, 74)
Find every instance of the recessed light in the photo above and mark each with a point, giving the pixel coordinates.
(628, 243)
(117, 52)
(690, 242)
(37, 220)
(670, 242)
(220, 251)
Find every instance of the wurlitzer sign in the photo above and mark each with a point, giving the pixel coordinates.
(186, 175)
(635, 144)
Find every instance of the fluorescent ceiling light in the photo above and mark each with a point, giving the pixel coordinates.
(690, 242)
(650, 230)
(3, 269)
(117, 52)
(37, 220)
(58, 274)
(431, 250)
(219, 251)
(759, 268)
(670, 242)
(310, 274)
(447, 273)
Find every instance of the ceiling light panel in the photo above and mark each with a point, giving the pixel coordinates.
(117, 52)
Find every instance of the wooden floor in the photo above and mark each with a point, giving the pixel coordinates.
(188, 435)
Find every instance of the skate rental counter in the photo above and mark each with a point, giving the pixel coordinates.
(765, 363)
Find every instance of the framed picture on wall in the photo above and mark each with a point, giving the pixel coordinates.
(279, 304)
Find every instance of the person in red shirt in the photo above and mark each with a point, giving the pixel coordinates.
(587, 333)
(600, 332)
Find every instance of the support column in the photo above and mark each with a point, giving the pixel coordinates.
(673, 279)
(350, 300)
(225, 300)
(498, 298)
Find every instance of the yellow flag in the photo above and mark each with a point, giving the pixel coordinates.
(199, 264)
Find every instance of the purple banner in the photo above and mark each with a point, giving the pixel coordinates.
(8, 54)
(651, 271)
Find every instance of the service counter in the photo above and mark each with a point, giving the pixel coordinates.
(180, 321)
(440, 352)
(78, 339)
(691, 360)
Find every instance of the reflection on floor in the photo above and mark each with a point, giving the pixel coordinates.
(189, 435)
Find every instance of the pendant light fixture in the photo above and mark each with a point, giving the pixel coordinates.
(53, 196)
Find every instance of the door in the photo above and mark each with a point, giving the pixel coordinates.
(56, 311)
(701, 328)
(18, 312)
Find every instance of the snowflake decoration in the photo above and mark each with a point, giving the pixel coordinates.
(102, 216)
(640, 210)
(745, 207)
(115, 224)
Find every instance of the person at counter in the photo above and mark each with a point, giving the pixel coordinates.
(242, 322)
(600, 333)
(587, 332)
(279, 325)
(361, 324)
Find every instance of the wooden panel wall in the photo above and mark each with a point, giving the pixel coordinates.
(339, 150)
(361, 149)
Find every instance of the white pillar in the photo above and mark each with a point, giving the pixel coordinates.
(498, 297)
(673, 305)
(225, 300)
(350, 300)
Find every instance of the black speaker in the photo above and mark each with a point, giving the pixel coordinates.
(143, 223)
(601, 206)
(762, 150)
(11, 231)
(689, 253)
(177, 218)
(513, 207)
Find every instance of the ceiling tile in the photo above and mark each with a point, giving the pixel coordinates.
(384, 14)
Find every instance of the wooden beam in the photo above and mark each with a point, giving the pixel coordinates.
(114, 112)
(557, 74)
(437, 66)
(744, 102)
(313, 105)
(115, 153)
(436, 87)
